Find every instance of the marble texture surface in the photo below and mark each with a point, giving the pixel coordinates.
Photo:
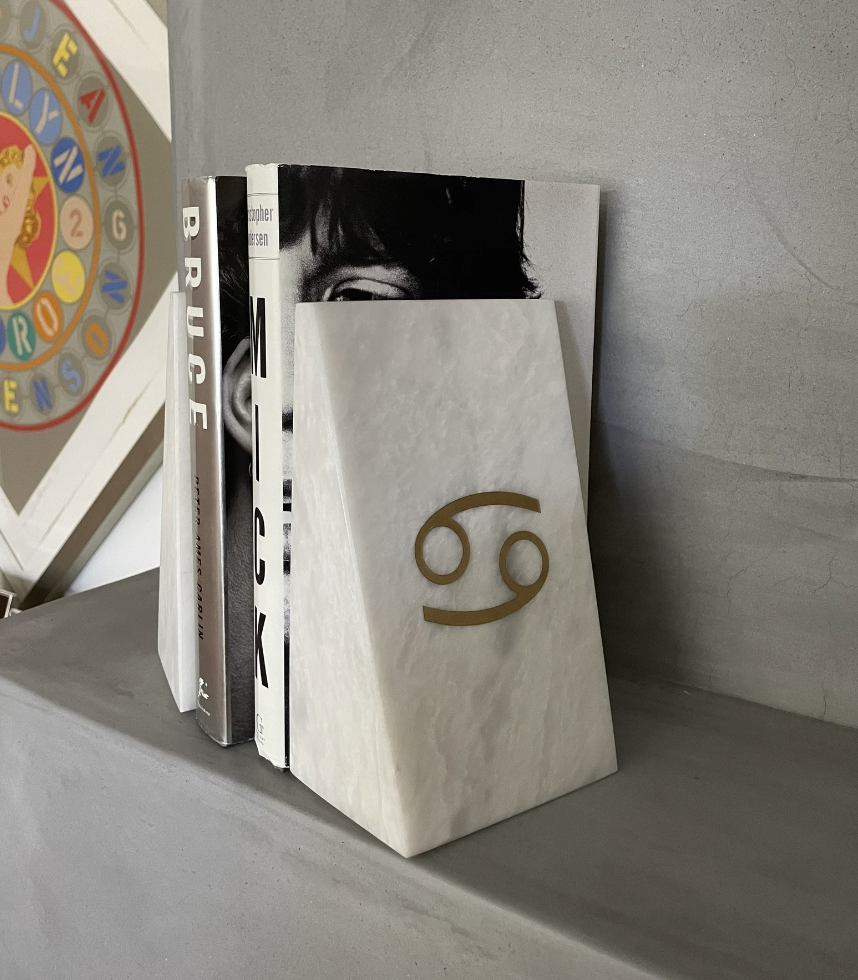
(419, 731)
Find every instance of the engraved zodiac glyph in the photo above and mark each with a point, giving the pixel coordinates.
(444, 517)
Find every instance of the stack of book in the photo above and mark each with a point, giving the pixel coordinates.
(254, 247)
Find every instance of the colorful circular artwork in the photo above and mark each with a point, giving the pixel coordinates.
(71, 222)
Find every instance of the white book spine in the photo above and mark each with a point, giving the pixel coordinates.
(267, 378)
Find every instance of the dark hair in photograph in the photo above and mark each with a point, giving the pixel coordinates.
(460, 237)
(234, 277)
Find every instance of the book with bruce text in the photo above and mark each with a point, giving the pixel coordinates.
(214, 230)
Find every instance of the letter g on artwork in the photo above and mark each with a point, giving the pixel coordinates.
(444, 517)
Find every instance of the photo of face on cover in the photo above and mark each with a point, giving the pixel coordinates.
(361, 235)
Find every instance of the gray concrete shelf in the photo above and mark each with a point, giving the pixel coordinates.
(133, 847)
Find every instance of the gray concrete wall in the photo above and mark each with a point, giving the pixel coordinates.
(725, 462)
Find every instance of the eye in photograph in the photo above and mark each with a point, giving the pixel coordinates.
(370, 284)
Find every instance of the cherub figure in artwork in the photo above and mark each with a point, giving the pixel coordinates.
(20, 223)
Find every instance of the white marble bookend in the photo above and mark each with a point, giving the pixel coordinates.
(446, 666)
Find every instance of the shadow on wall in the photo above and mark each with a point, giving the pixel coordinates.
(721, 575)
(624, 530)
(633, 563)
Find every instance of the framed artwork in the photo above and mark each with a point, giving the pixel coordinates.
(87, 262)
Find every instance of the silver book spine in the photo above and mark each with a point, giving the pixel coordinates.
(202, 296)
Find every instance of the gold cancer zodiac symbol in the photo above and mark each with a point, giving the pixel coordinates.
(444, 518)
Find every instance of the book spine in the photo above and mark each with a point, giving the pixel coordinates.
(202, 298)
(267, 379)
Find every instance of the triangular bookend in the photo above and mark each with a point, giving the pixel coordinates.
(446, 666)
